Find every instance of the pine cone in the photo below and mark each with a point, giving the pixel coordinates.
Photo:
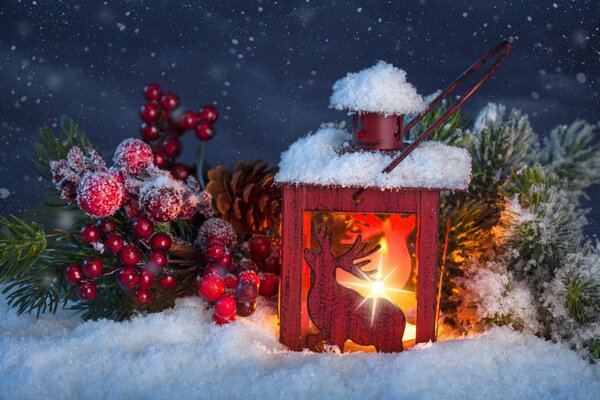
(245, 196)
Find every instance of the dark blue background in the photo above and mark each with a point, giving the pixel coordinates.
(270, 65)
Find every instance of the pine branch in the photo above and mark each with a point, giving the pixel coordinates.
(580, 295)
(21, 246)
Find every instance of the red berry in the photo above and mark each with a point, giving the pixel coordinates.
(152, 92)
(225, 261)
(246, 265)
(260, 247)
(160, 241)
(245, 309)
(246, 290)
(128, 277)
(160, 159)
(146, 279)
(215, 269)
(215, 252)
(204, 132)
(225, 307)
(73, 274)
(169, 101)
(269, 285)
(157, 260)
(133, 156)
(149, 112)
(161, 200)
(107, 225)
(272, 265)
(142, 297)
(143, 228)
(222, 321)
(230, 281)
(167, 282)
(90, 234)
(211, 287)
(149, 132)
(249, 276)
(208, 114)
(172, 147)
(180, 171)
(188, 120)
(130, 255)
(132, 208)
(99, 194)
(86, 291)
(113, 242)
(92, 267)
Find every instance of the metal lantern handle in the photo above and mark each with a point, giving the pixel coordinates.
(504, 47)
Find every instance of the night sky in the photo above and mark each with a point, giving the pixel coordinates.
(269, 66)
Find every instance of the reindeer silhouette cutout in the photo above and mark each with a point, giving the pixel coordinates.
(333, 308)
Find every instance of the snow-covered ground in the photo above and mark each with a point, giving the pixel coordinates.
(180, 354)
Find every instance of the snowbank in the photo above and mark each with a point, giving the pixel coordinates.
(381, 89)
(313, 159)
(181, 354)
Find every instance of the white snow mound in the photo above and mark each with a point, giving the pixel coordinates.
(181, 354)
(313, 160)
(381, 89)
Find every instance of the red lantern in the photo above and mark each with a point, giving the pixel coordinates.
(359, 262)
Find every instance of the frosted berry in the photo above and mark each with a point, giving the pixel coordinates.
(149, 132)
(132, 208)
(99, 194)
(225, 307)
(245, 309)
(208, 114)
(172, 147)
(157, 260)
(133, 156)
(160, 159)
(246, 265)
(152, 92)
(73, 274)
(204, 132)
(249, 276)
(188, 120)
(225, 261)
(92, 267)
(260, 247)
(113, 242)
(215, 269)
(216, 229)
(143, 228)
(142, 297)
(128, 277)
(160, 241)
(211, 287)
(169, 101)
(180, 171)
(272, 265)
(167, 282)
(149, 112)
(222, 321)
(269, 285)
(246, 290)
(161, 199)
(230, 281)
(86, 291)
(107, 225)
(130, 255)
(146, 279)
(215, 251)
(89, 233)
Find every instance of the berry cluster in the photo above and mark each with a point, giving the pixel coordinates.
(140, 262)
(163, 126)
(237, 272)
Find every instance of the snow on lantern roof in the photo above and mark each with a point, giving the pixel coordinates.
(380, 89)
(314, 160)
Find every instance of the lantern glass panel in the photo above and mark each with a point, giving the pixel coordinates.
(391, 273)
